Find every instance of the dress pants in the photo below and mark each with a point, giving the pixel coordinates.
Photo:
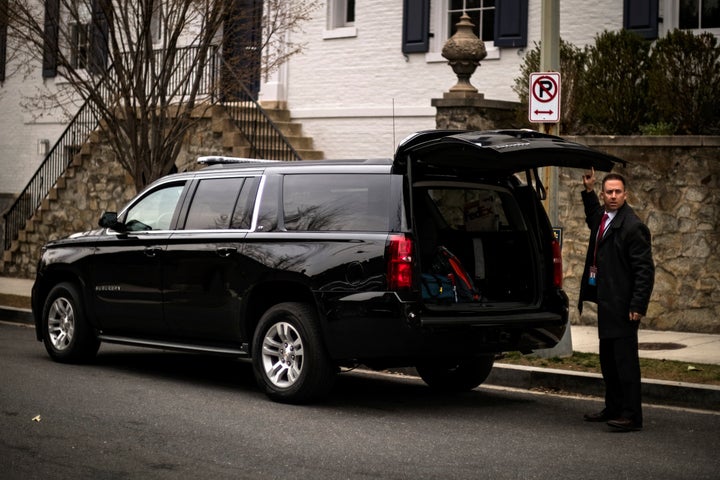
(620, 366)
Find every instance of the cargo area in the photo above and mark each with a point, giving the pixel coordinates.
(474, 245)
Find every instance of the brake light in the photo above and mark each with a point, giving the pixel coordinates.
(557, 264)
(400, 263)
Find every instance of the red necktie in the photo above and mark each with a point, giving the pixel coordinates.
(601, 229)
(601, 232)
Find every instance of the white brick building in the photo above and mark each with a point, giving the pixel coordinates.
(353, 89)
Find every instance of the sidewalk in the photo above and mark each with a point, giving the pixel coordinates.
(693, 348)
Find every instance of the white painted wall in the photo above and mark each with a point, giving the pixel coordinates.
(20, 132)
(349, 92)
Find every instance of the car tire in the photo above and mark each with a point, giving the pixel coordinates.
(456, 375)
(289, 359)
(67, 335)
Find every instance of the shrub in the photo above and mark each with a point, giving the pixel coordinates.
(614, 87)
(684, 82)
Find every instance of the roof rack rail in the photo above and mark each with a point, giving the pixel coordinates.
(220, 160)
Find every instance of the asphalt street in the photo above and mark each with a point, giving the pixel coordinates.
(152, 414)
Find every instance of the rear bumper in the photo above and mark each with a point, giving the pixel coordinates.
(529, 320)
(383, 327)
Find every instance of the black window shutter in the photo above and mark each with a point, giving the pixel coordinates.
(641, 17)
(416, 26)
(3, 37)
(99, 30)
(50, 48)
(511, 20)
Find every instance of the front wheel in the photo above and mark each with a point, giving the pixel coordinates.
(289, 358)
(456, 375)
(67, 335)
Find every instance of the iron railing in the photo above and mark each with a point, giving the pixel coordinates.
(264, 136)
(51, 169)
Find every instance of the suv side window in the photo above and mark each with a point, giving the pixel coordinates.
(336, 202)
(221, 203)
(154, 211)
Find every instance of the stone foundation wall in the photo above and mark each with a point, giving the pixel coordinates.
(93, 184)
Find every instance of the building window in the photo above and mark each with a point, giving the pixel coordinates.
(340, 19)
(481, 13)
(79, 45)
(445, 14)
(341, 13)
(699, 14)
(156, 23)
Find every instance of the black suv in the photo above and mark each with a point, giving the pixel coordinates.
(438, 259)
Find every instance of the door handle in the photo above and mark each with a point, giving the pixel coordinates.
(226, 251)
(152, 251)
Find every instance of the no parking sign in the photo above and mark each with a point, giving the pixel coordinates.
(544, 96)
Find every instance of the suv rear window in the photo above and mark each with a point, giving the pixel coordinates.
(477, 209)
(221, 203)
(336, 202)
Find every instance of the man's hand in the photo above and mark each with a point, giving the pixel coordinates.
(589, 180)
(635, 317)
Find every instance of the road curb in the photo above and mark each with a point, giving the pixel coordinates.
(20, 315)
(659, 392)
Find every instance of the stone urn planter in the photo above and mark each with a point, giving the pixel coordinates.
(464, 50)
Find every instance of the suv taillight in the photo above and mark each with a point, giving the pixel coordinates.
(400, 263)
(557, 264)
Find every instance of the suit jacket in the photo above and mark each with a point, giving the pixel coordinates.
(625, 269)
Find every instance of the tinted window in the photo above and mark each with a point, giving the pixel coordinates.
(336, 202)
(242, 216)
(477, 209)
(218, 204)
(155, 210)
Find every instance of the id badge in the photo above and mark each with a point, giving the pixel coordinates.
(592, 277)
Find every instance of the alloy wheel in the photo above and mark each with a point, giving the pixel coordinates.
(282, 354)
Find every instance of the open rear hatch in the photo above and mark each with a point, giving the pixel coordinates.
(464, 212)
(497, 152)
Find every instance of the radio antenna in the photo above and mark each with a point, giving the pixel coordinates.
(393, 123)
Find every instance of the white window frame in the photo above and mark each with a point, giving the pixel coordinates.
(337, 26)
(670, 13)
(79, 40)
(440, 33)
(157, 24)
(80, 19)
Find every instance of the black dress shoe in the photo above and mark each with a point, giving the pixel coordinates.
(597, 417)
(624, 424)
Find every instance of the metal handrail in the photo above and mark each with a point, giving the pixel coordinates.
(50, 170)
(262, 134)
(265, 138)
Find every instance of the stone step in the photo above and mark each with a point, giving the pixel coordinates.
(241, 151)
(311, 154)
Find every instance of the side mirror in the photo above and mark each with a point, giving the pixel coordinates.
(110, 220)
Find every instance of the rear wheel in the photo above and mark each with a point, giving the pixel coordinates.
(289, 358)
(67, 335)
(456, 375)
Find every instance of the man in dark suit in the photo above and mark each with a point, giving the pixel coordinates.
(619, 276)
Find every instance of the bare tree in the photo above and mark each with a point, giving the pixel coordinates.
(143, 66)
